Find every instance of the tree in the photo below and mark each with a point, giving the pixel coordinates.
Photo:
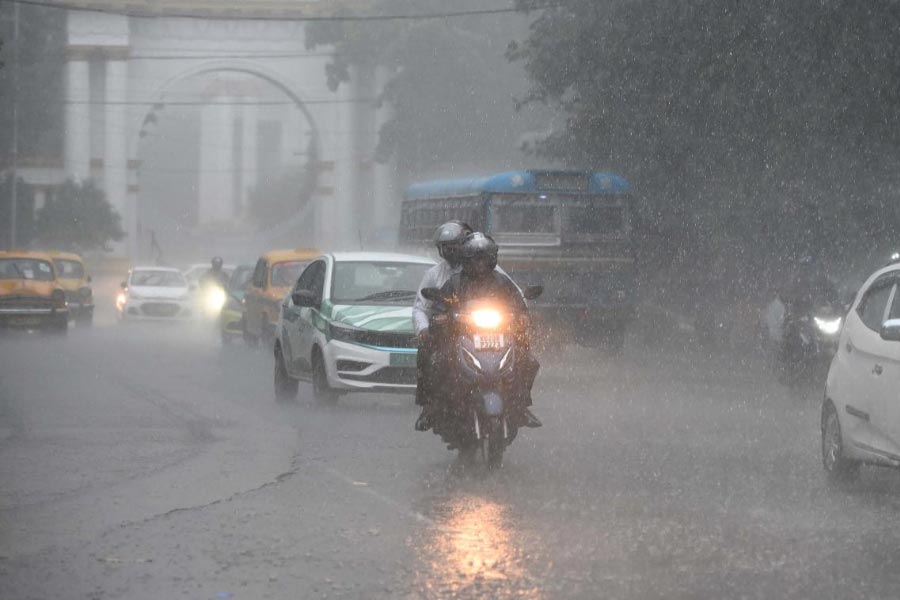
(77, 217)
(729, 115)
(24, 212)
(452, 91)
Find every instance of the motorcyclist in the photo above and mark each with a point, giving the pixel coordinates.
(480, 278)
(215, 276)
(807, 288)
(448, 239)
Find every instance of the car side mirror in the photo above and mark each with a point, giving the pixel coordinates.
(305, 298)
(533, 292)
(124, 285)
(890, 331)
(433, 294)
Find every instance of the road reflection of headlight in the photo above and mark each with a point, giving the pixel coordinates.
(215, 300)
(828, 326)
(473, 551)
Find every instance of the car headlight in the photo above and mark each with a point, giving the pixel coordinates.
(828, 326)
(486, 318)
(343, 334)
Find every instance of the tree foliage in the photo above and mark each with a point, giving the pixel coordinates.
(78, 217)
(451, 89)
(750, 120)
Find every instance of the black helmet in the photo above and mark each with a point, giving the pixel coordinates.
(449, 237)
(479, 255)
(217, 263)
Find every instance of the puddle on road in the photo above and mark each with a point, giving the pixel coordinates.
(473, 550)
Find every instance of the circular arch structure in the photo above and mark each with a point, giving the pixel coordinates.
(246, 68)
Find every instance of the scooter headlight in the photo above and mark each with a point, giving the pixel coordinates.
(486, 318)
(828, 326)
(120, 300)
(215, 300)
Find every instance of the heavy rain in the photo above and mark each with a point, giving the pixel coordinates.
(538, 299)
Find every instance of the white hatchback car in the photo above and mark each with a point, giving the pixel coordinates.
(347, 325)
(861, 408)
(155, 293)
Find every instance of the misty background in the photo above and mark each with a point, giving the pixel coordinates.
(753, 133)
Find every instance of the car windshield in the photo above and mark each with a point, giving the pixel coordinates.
(240, 279)
(69, 269)
(157, 279)
(386, 281)
(25, 268)
(285, 274)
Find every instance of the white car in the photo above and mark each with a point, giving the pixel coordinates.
(347, 326)
(160, 293)
(861, 408)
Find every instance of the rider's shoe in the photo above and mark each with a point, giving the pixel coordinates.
(526, 418)
(425, 420)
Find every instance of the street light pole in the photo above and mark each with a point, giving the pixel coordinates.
(14, 200)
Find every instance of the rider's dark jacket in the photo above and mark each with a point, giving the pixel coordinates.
(495, 285)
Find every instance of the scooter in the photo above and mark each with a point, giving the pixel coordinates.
(482, 342)
(810, 342)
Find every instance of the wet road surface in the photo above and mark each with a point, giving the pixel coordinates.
(150, 462)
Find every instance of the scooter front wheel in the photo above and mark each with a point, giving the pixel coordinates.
(494, 444)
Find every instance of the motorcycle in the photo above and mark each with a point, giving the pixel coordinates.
(481, 342)
(810, 341)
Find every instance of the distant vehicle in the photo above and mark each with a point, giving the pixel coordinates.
(76, 283)
(347, 326)
(569, 231)
(31, 296)
(807, 343)
(861, 412)
(155, 293)
(231, 322)
(274, 275)
(194, 272)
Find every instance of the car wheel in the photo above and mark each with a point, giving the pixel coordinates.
(321, 390)
(837, 467)
(285, 385)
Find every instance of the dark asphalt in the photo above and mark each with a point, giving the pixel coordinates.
(149, 462)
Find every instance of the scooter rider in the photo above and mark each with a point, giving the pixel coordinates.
(448, 238)
(215, 275)
(480, 278)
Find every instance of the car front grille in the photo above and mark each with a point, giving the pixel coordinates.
(386, 339)
(386, 376)
(159, 309)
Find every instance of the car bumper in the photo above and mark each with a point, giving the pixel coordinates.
(31, 316)
(157, 310)
(368, 369)
(232, 323)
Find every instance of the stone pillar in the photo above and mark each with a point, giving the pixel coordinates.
(386, 196)
(216, 161)
(78, 118)
(249, 167)
(115, 159)
(344, 229)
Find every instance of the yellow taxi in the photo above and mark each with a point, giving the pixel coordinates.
(75, 282)
(274, 276)
(31, 297)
